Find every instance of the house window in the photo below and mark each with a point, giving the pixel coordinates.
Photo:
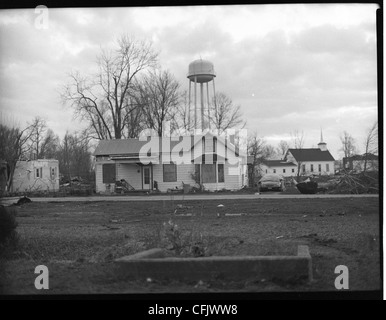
(214, 144)
(197, 173)
(220, 172)
(170, 172)
(312, 168)
(327, 167)
(108, 173)
(293, 170)
(203, 145)
(274, 170)
(39, 172)
(303, 168)
(283, 170)
(319, 167)
(53, 173)
(209, 173)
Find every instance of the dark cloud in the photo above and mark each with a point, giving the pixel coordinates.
(283, 78)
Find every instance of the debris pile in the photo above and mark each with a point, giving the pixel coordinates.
(76, 186)
(365, 182)
(307, 186)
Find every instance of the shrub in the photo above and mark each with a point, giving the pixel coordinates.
(8, 224)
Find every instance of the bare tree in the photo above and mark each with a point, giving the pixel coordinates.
(224, 114)
(136, 122)
(370, 144)
(13, 147)
(105, 101)
(298, 143)
(258, 151)
(297, 139)
(36, 131)
(348, 144)
(182, 123)
(282, 148)
(49, 145)
(269, 152)
(159, 98)
(74, 156)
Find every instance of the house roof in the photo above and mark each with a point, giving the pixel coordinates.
(129, 146)
(278, 163)
(133, 146)
(273, 163)
(311, 154)
(119, 146)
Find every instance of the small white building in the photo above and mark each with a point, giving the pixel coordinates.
(308, 161)
(312, 161)
(357, 163)
(36, 175)
(166, 163)
(282, 167)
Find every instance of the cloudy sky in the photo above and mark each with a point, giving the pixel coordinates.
(290, 67)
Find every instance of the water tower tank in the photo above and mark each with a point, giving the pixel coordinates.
(201, 70)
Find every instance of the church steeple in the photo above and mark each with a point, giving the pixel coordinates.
(322, 145)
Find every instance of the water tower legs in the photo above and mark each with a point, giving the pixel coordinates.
(195, 103)
(214, 99)
(202, 106)
(207, 93)
(189, 128)
(200, 123)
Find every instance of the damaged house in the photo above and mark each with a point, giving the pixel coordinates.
(167, 163)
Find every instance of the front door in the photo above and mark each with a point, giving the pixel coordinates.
(146, 177)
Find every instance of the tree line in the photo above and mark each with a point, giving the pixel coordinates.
(37, 141)
(130, 92)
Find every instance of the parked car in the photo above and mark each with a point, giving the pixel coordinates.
(271, 182)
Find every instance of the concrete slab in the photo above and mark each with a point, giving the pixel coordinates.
(153, 265)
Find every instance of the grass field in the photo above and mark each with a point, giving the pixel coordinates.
(78, 242)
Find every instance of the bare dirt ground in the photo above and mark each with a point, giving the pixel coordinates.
(78, 242)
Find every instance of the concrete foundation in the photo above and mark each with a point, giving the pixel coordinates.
(156, 264)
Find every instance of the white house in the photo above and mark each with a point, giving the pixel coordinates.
(282, 167)
(356, 163)
(36, 175)
(169, 162)
(317, 161)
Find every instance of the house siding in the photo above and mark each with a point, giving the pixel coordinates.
(316, 169)
(25, 179)
(184, 174)
(132, 173)
(279, 170)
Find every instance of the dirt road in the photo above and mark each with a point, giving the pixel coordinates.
(182, 197)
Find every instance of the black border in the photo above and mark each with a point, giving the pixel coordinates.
(246, 301)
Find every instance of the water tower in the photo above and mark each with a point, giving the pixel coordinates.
(201, 71)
